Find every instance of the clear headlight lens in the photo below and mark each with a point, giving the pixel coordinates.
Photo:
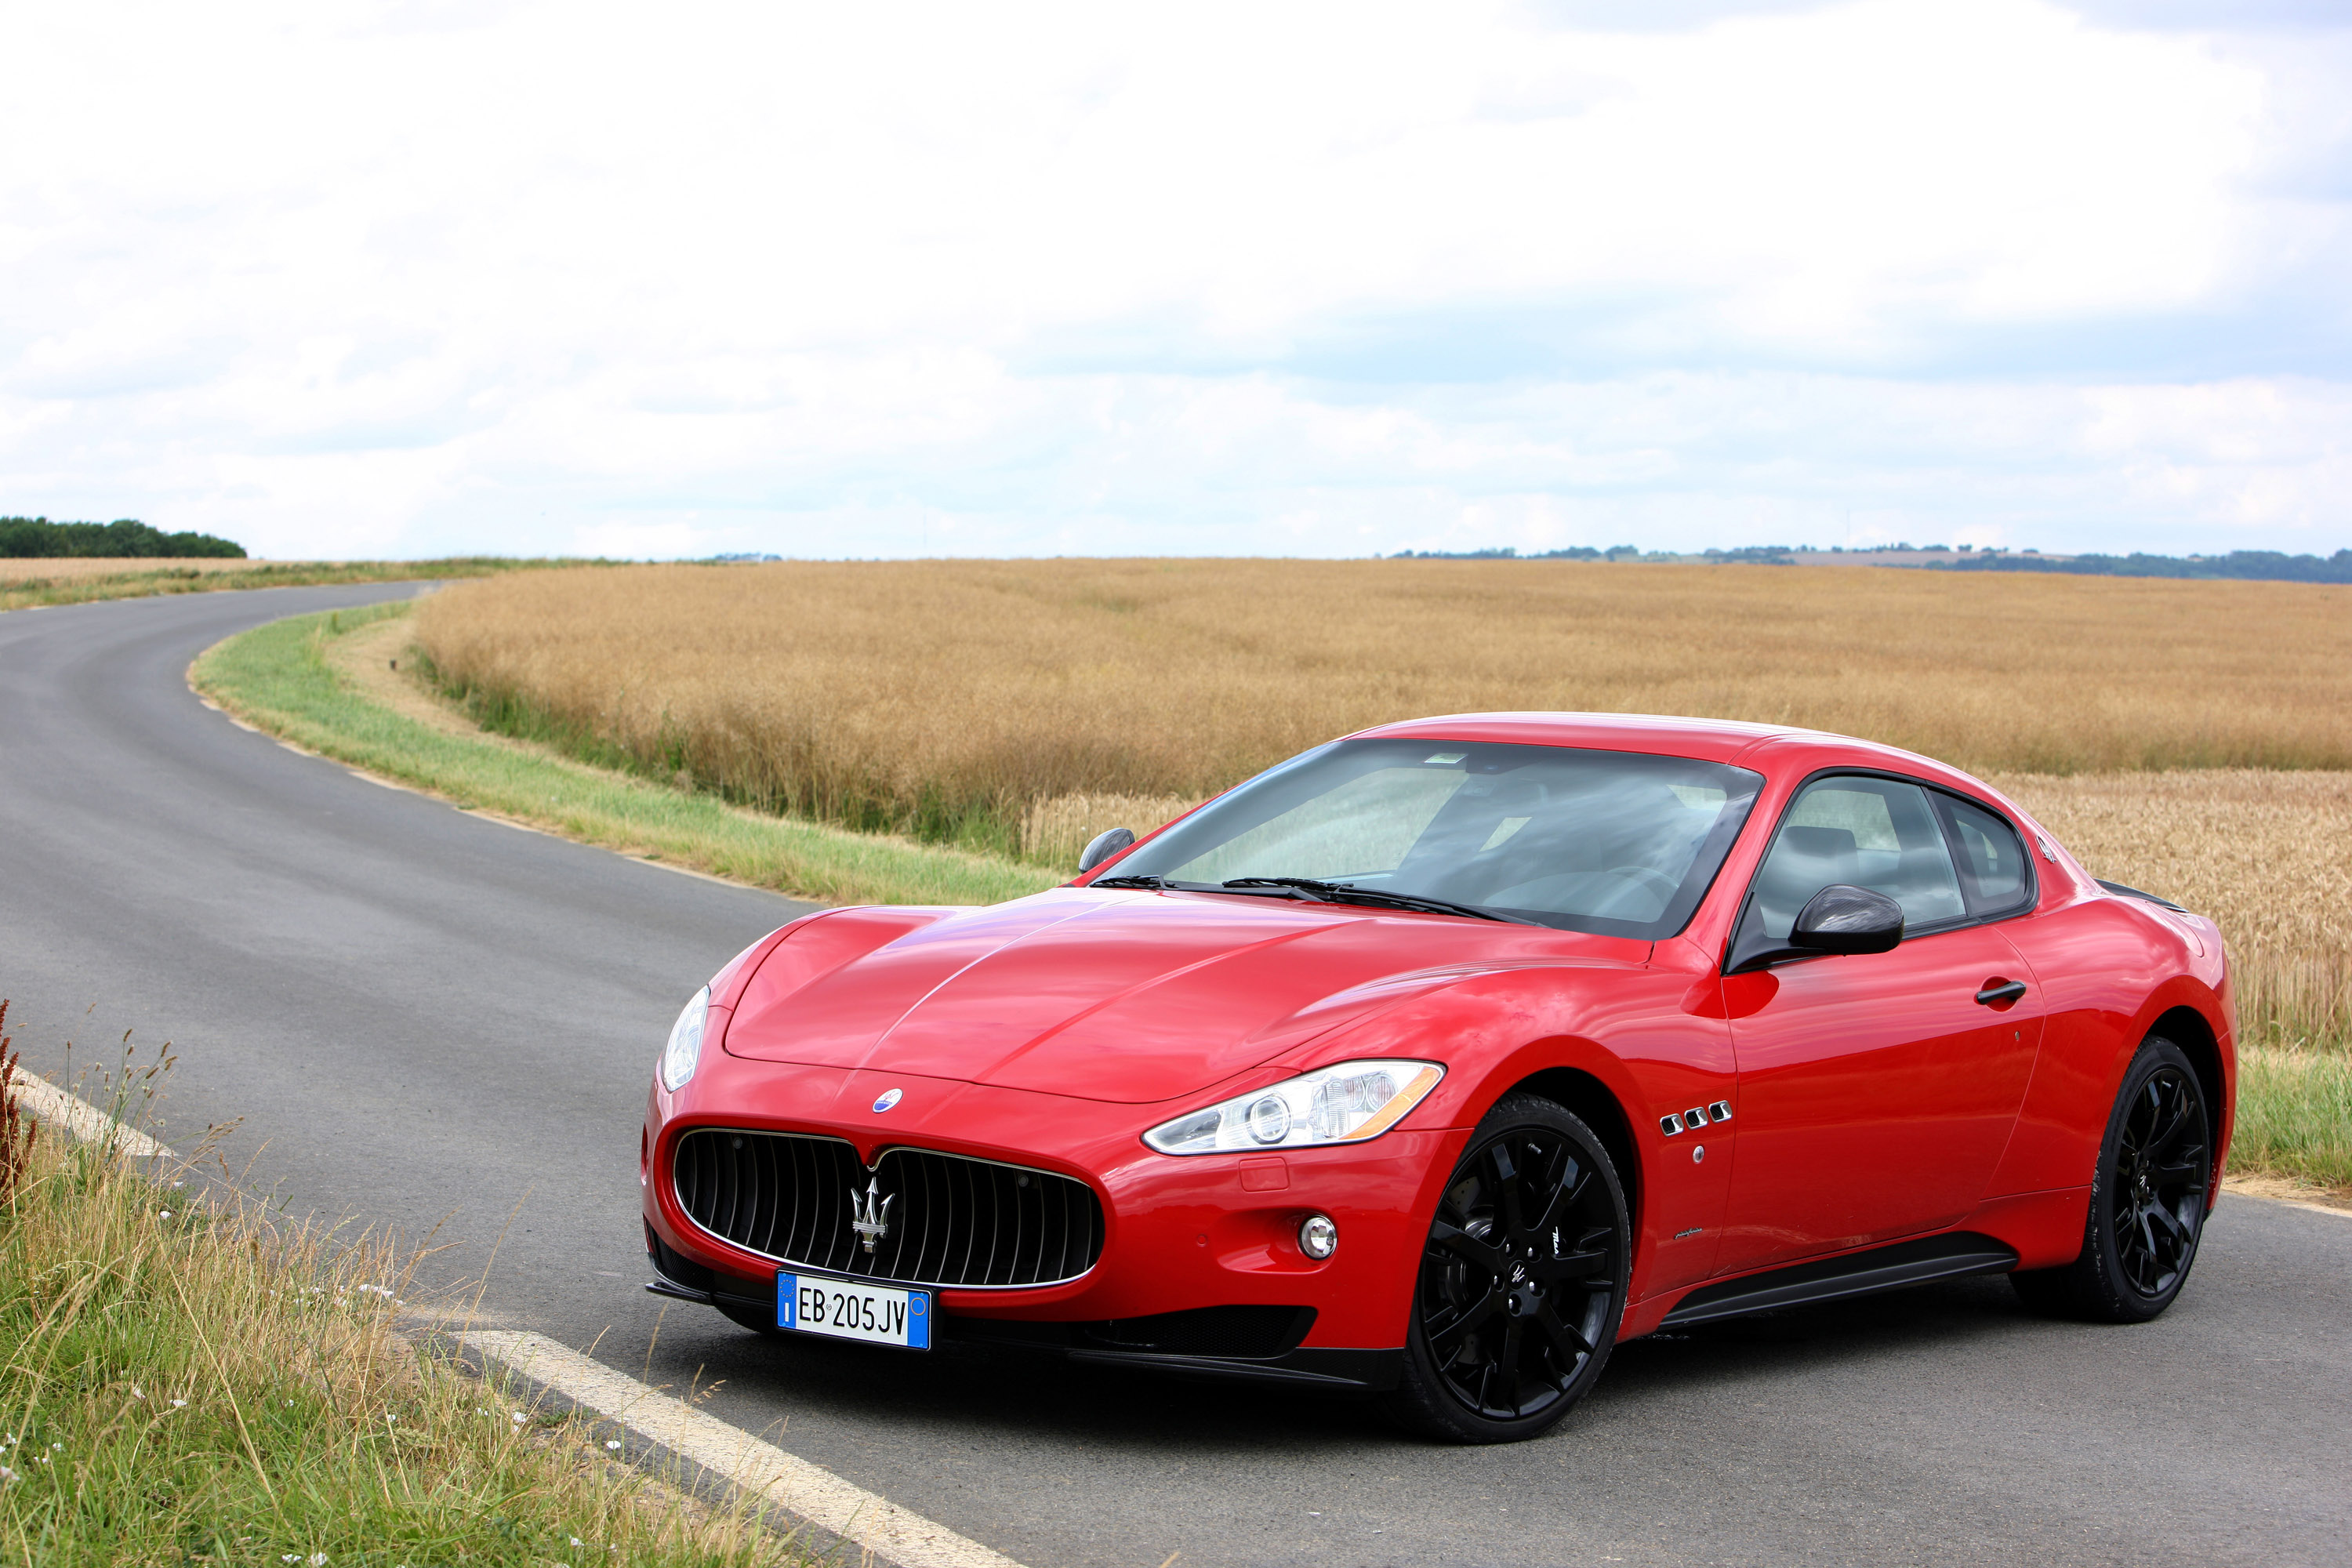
(685, 1049)
(1343, 1104)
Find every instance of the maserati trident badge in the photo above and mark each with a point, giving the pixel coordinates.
(870, 1216)
(890, 1098)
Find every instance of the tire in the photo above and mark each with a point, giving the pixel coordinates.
(1522, 1281)
(2148, 1197)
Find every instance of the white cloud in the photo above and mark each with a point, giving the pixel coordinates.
(1322, 278)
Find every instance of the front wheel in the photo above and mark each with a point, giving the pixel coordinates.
(1522, 1280)
(2148, 1200)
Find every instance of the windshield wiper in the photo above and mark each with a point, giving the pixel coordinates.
(1347, 893)
(1140, 880)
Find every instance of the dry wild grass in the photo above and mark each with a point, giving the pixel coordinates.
(189, 1379)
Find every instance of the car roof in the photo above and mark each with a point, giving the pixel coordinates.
(1707, 740)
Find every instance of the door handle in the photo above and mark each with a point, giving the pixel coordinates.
(1995, 994)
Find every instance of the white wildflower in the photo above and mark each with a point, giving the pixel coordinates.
(167, 1214)
(612, 1442)
(179, 1405)
(520, 1417)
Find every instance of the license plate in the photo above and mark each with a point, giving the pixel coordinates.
(852, 1309)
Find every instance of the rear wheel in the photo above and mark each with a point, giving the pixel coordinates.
(1522, 1280)
(2148, 1200)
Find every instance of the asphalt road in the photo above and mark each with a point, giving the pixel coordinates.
(421, 1018)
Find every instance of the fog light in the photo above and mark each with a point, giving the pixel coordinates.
(1318, 1237)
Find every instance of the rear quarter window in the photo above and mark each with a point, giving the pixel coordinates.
(1994, 873)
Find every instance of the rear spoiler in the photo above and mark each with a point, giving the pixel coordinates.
(2121, 892)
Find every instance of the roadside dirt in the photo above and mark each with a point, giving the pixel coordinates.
(2286, 1189)
(369, 660)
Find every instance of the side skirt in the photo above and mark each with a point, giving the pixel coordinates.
(1948, 1257)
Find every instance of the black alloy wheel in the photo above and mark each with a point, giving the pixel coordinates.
(2147, 1199)
(1522, 1280)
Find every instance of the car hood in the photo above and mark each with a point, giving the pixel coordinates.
(1127, 997)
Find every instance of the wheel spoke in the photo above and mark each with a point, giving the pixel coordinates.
(1506, 1368)
(2146, 1227)
(1468, 1247)
(1563, 1197)
(1574, 1266)
(1508, 1179)
(2167, 1140)
(1565, 1339)
(1445, 1336)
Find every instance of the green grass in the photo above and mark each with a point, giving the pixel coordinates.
(138, 580)
(2294, 1115)
(277, 677)
(186, 1381)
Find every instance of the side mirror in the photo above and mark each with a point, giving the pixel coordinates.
(1845, 919)
(1105, 845)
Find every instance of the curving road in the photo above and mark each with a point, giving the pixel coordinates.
(423, 1018)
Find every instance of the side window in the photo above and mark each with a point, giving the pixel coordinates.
(1880, 834)
(1993, 868)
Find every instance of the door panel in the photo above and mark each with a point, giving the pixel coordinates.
(1875, 1092)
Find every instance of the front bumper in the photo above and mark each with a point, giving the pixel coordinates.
(1184, 1237)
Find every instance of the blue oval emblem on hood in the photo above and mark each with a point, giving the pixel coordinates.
(890, 1098)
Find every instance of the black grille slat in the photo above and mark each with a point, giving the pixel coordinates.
(954, 1221)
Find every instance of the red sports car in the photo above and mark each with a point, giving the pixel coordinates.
(1433, 1062)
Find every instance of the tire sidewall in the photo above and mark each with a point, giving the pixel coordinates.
(2116, 1297)
(1432, 1406)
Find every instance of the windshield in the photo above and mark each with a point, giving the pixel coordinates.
(1616, 843)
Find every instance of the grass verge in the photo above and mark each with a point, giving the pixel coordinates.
(20, 590)
(2295, 1117)
(186, 1380)
(278, 677)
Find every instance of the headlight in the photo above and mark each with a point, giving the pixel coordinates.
(685, 1048)
(1342, 1104)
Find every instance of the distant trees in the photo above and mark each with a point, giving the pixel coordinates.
(37, 536)
(2245, 566)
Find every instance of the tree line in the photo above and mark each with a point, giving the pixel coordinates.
(127, 537)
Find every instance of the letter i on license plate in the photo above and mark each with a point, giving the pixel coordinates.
(852, 1309)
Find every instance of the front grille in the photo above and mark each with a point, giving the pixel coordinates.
(952, 1221)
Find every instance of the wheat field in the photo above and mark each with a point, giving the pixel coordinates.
(17, 571)
(943, 697)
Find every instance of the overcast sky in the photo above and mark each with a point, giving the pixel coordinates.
(1265, 278)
